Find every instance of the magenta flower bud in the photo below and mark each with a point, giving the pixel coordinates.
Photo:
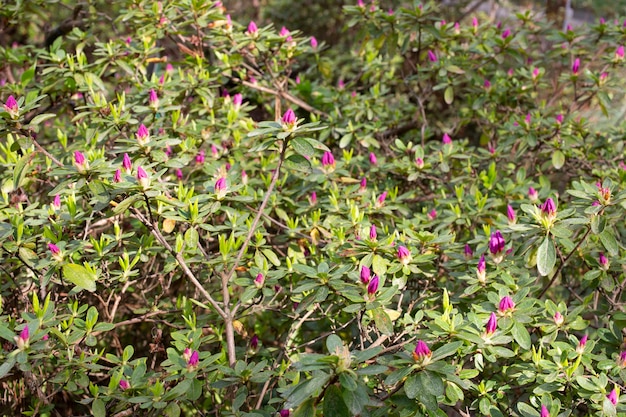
(22, 340)
(252, 28)
(54, 249)
(254, 342)
(613, 397)
(187, 354)
(481, 269)
(544, 411)
(548, 209)
(532, 194)
(373, 159)
(492, 325)
(220, 187)
(289, 118)
(363, 184)
(469, 253)
(419, 162)
(496, 243)
(56, 203)
(80, 162)
(446, 139)
(117, 177)
(284, 413)
(143, 135)
(328, 160)
(487, 84)
(622, 359)
(510, 214)
(576, 66)
(142, 177)
(360, 3)
(528, 119)
(372, 286)
(12, 107)
(404, 255)
(474, 22)
(154, 99)
(506, 33)
(619, 53)
(432, 215)
(603, 261)
(432, 56)
(200, 158)
(259, 280)
(381, 199)
(284, 32)
(421, 351)
(237, 100)
(373, 234)
(298, 79)
(535, 73)
(169, 68)
(194, 359)
(127, 164)
(365, 275)
(214, 151)
(559, 118)
(581, 345)
(179, 174)
(506, 304)
(558, 318)
(124, 385)
(313, 42)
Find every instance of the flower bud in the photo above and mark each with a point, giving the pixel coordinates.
(603, 261)
(252, 28)
(221, 188)
(613, 396)
(381, 199)
(237, 100)
(446, 140)
(80, 162)
(153, 99)
(200, 157)
(289, 118)
(194, 359)
(581, 345)
(142, 177)
(419, 162)
(12, 107)
(179, 174)
(143, 135)
(57, 255)
(313, 42)
(506, 33)
(481, 269)
(259, 280)
(421, 352)
(576, 66)
(373, 234)
(124, 385)
(328, 161)
(622, 359)
(254, 342)
(313, 198)
(544, 411)
(284, 413)
(127, 164)
(404, 255)
(56, 203)
(619, 53)
(365, 275)
(532, 194)
(22, 340)
(432, 215)
(432, 56)
(558, 318)
(510, 214)
(372, 286)
(363, 184)
(373, 159)
(506, 304)
(496, 246)
(492, 325)
(469, 253)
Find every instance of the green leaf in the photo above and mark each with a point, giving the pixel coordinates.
(307, 409)
(41, 118)
(333, 342)
(305, 390)
(546, 257)
(446, 350)
(19, 172)
(298, 163)
(271, 256)
(383, 322)
(6, 367)
(98, 409)
(558, 159)
(303, 147)
(79, 276)
(448, 95)
(608, 241)
(334, 405)
(521, 335)
(124, 205)
(172, 410)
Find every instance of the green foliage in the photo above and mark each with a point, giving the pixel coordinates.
(201, 217)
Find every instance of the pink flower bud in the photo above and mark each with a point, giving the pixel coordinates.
(506, 33)
(124, 385)
(200, 158)
(284, 32)
(446, 139)
(194, 359)
(237, 100)
(142, 177)
(487, 84)
(576, 66)
(496, 243)
(285, 412)
(535, 73)
(365, 275)
(363, 184)
(603, 261)
(559, 118)
(548, 209)
(254, 342)
(289, 118)
(373, 159)
(12, 107)
(474, 22)
(80, 162)
(22, 340)
(169, 68)
(313, 42)
(544, 411)
(244, 177)
(341, 84)
(558, 318)
(404, 255)
(432, 56)
(532, 194)
(373, 234)
(506, 304)
(421, 351)
(154, 99)
(432, 215)
(622, 359)
(581, 345)
(469, 253)
(510, 214)
(492, 325)
(127, 164)
(56, 203)
(179, 174)
(252, 28)
(117, 177)
(419, 162)
(372, 287)
(328, 160)
(381, 199)
(613, 396)
(143, 135)
(259, 280)
(481, 269)
(220, 188)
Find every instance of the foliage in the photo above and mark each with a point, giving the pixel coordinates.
(436, 230)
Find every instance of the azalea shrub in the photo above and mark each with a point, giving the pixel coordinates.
(201, 215)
